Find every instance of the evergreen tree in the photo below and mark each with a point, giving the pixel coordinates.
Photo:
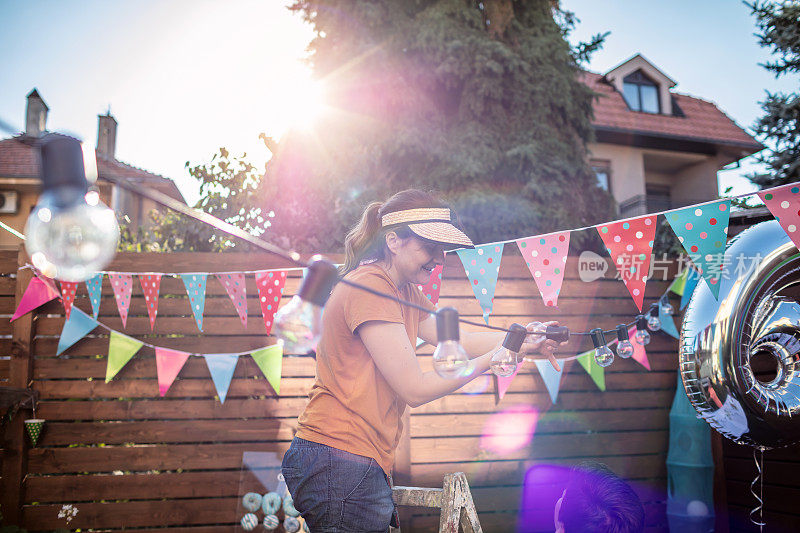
(477, 100)
(779, 128)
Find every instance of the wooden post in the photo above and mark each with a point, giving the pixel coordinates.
(721, 523)
(15, 459)
(402, 466)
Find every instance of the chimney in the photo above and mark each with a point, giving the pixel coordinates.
(106, 135)
(35, 115)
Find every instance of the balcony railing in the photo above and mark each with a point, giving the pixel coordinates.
(643, 204)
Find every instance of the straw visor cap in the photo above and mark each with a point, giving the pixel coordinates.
(431, 223)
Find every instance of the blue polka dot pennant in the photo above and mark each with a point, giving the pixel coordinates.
(196, 289)
(94, 286)
(703, 231)
(221, 366)
(482, 265)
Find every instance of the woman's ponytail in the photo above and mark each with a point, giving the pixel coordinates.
(362, 238)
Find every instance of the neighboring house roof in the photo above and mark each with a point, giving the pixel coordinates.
(698, 120)
(18, 160)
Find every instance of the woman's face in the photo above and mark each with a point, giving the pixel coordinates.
(414, 259)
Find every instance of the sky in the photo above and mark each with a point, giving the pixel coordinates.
(183, 78)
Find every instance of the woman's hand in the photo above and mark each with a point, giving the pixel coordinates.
(540, 343)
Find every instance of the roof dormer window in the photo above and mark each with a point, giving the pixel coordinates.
(641, 93)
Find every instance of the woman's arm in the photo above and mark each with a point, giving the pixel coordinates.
(387, 343)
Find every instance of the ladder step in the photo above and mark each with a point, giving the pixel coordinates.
(417, 497)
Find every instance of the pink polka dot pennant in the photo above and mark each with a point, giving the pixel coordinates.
(196, 289)
(784, 204)
(270, 288)
(482, 265)
(68, 289)
(630, 245)
(703, 231)
(434, 286)
(546, 257)
(234, 284)
(150, 285)
(122, 284)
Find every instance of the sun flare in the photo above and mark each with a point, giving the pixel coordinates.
(300, 105)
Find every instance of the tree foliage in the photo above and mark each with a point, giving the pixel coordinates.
(480, 101)
(779, 127)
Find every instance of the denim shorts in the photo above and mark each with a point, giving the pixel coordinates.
(336, 491)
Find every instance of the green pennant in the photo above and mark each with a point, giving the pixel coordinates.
(120, 350)
(679, 284)
(597, 372)
(270, 361)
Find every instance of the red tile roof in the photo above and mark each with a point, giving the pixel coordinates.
(18, 160)
(702, 120)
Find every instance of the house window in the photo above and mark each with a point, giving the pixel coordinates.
(602, 171)
(641, 93)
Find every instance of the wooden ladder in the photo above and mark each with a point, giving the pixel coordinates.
(454, 499)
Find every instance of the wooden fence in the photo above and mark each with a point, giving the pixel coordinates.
(126, 458)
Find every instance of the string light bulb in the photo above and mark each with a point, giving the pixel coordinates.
(603, 356)
(624, 346)
(449, 358)
(70, 234)
(642, 335)
(559, 334)
(298, 324)
(505, 358)
(653, 322)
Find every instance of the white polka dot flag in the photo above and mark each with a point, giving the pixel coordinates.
(168, 365)
(150, 285)
(784, 204)
(434, 286)
(94, 286)
(546, 257)
(196, 289)
(270, 288)
(122, 284)
(630, 244)
(482, 265)
(234, 284)
(68, 289)
(703, 232)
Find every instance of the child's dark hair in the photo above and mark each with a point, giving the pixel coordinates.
(365, 241)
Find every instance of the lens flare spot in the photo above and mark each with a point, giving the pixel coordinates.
(509, 430)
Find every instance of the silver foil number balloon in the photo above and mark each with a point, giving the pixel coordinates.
(757, 317)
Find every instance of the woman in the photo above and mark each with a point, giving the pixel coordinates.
(338, 464)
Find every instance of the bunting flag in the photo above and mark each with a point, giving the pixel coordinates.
(221, 366)
(270, 361)
(551, 376)
(76, 327)
(270, 288)
(68, 289)
(94, 286)
(784, 204)
(196, 289)
(630, 244)
(639, 353)
(37, 293)
(234, 284)
(168, 365)
(691, 283)
(679, 283)
(150, 285)
(546, 258)
(504, 383)
(120, 350)
(703, 231)
(123, 287)
(667, 321)
(595, 371)
(434, 286)
(482, 265)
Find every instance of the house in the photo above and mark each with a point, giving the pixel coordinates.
(19, 171)
(656, 149)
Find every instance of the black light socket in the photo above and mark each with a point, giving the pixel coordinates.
(61, 168)
(622, 333)
(654, 309)
(557, 333)
(598, 338)
(641, 323)
(321, 277)
(447, 324)
(515, 337)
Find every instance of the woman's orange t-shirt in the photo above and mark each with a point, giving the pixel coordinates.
(352, 407)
